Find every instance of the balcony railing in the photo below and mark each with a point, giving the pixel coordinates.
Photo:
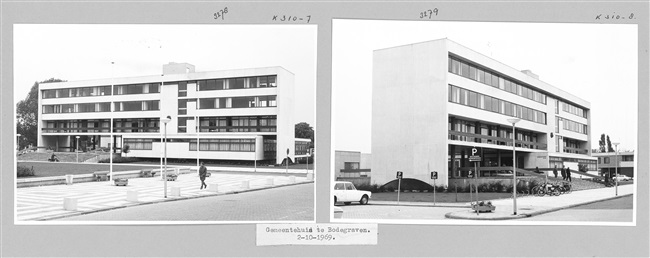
(576, 150)
(479, 138)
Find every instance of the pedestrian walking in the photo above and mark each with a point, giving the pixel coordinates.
(203, 172)
(568, 174)
(563, 171)
(555, 171)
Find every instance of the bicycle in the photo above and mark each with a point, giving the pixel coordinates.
(544, 189)
(565, 187)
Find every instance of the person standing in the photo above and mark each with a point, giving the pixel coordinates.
(555, 171)
(568, 174)
(563, 171)
(203, 172)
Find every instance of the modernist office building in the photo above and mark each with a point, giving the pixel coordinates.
(432, 102)
(609, 163)
(242, 114)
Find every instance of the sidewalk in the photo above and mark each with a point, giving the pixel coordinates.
(533, 205)
(46, 202)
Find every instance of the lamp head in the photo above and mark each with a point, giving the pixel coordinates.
(513, 120)
(166, 119)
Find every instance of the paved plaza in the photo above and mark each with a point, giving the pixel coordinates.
(47, 202)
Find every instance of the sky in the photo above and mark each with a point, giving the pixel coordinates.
(83, 51)
(596, 62)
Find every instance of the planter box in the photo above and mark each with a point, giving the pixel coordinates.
(121, 181)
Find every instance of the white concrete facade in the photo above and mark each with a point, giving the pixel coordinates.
(270, 105)
(413, 115)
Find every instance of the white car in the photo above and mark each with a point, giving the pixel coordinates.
(622, 178)
(346, 192)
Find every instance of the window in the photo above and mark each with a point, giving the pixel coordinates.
(477, 100)
(48, 94)
(494, 79)
(351, 165)
(238, 145)
(207, 103)
(237, 83)
(182, 89)
(464, 70)
(139, 144)
(137, 105)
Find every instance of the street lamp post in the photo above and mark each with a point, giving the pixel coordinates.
(76, 149)
(165, 120)
(513, 121)
(616, 166)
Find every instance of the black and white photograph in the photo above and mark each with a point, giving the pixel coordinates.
(324, 128)
(429, 120)
(164, 123)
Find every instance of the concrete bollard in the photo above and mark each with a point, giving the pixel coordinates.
(213, 188)
(270, 181)
(132, 196)
(69, 179)
(246, 184)
(175, 191)
(292, 179)
(310, 176)
(70, 204)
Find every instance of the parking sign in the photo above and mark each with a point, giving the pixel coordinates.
(399, 174)
(434, 175)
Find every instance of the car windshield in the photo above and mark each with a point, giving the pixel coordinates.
(350, 187)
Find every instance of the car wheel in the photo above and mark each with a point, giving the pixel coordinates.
(364, 200)
(347, 203)
(334, 200)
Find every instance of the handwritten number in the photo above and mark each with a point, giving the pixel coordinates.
(429, 13)
(221, 14)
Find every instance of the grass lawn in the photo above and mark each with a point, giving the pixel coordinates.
(440, 197)
(43, 169)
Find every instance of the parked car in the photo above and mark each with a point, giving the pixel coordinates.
(346, 192)
(622, 178)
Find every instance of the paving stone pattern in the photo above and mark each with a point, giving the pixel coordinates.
(46, 202)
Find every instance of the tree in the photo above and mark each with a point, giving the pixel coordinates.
(602, 143)
(27, 116)
(126, 149)
(305, 131)
(609, 145)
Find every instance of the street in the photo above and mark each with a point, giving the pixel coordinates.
(288, 203)
(616, 210)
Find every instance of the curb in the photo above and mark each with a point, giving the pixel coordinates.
(166, 200)
(519, 216)
(535, 213)
(420, 205)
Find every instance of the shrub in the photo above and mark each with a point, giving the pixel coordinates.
(374, 188)
(120, 160)
(22, 171)
(440, 188)
(410, 184)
